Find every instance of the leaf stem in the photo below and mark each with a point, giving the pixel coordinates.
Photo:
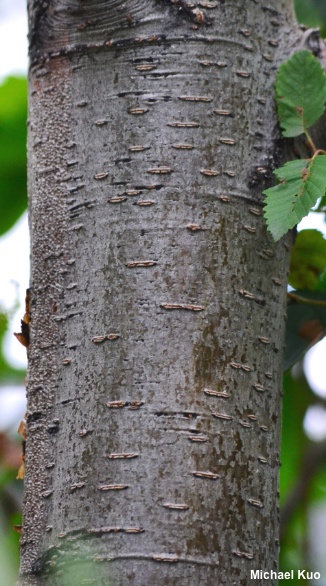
(318, 152)
(311, 143)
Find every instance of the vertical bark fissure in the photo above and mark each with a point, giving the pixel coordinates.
(161, 404)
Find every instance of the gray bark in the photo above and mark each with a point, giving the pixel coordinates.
(158, 298)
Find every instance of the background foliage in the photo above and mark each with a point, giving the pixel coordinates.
(303, 472)
(312, 13)
(13, 106)
(13, 202)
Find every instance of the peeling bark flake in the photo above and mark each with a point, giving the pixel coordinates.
(137, 148)
(123, 456)
(246, 294)
(47, 493)
(137, 111)
(264, 340)
(243, 554)
(145, 67)
(223, 112)
(100, 176)
(255, 503)
(76, 486)
(165, 558)
(262, 460)
(105, 487)
(116, 404)
(141, 263)
(228, 141)
(212, 393)
(223, 416)
(98, 339)
(187, 306)
(259, 387)
(144, 202)
(208, 475)
(103, 530)
(112, 336)
(245, 424)
(176, 506)
(196, 98)
(197, 438)
(184, 124)
(195, 227)
(160, 170)
(255, 211)
(119, 199)
(183, 146)
(210, 172)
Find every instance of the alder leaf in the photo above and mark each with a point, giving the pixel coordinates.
(300, 93)
(302, 182)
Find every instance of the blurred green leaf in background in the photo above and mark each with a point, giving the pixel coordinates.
(13, 202)
(312, 13)
(13, 112)
(308, 260)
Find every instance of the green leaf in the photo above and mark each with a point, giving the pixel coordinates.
(308, 260)
(302, 182)
(300, 93)
(13, 192)
(305, 325)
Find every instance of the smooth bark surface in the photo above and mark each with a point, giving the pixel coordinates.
(158, 297)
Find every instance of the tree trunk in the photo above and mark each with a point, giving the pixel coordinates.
(157, 296)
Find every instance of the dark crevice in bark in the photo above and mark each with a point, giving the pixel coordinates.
(35, 416)
(261, 176)
(180, 414)
(271, 10)
(186, 10)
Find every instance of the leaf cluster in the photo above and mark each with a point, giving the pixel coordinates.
(300, 95)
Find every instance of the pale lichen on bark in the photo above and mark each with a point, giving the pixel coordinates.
(157, 324)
